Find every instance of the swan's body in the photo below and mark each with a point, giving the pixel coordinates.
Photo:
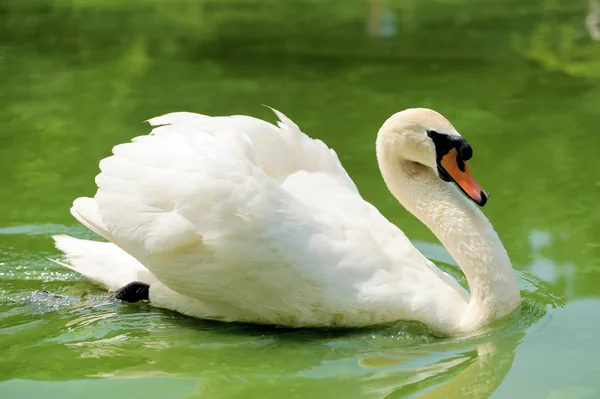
(235, 219)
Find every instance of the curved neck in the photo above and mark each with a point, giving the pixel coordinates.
(461, 227)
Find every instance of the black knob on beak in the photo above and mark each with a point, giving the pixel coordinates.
(465, 150)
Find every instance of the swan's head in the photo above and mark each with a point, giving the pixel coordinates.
(424, 136)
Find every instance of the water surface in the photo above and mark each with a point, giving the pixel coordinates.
(519, 79)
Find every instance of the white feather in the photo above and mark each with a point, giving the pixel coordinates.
(102, 263)
(238, 219)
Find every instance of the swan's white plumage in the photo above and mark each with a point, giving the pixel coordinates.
(239, 219)
(103, 263)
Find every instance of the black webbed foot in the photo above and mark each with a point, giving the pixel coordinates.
(132, 292)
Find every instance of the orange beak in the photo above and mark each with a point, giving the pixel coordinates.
(459, 172)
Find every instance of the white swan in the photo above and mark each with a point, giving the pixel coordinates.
(235, 219)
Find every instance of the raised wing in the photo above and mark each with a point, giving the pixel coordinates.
(202, 197)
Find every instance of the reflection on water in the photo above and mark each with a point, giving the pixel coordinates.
(375, 364)
(518, 78)
(592, 20)
(381, 19)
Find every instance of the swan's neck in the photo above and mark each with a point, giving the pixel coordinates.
(463, 230)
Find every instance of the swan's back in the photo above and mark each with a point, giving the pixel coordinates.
(277, 150)
(209, 166)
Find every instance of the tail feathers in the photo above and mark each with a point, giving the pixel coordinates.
(85, 210)
(102, 263)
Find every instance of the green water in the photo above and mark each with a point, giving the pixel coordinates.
(519, 79)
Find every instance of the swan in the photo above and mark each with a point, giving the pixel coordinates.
(236, 219)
